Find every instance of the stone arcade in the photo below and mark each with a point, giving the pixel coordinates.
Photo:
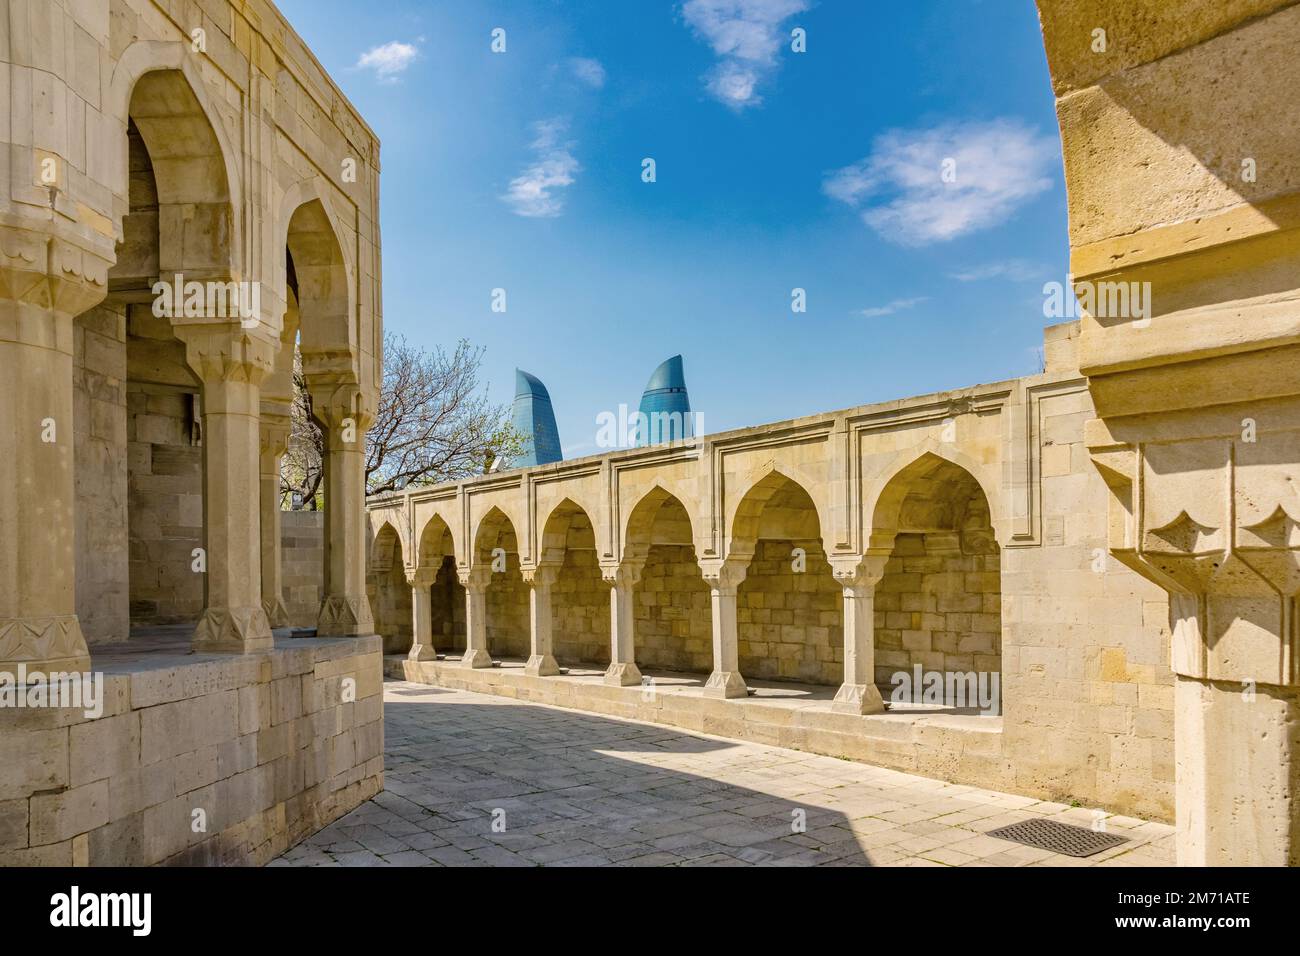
(159, 143)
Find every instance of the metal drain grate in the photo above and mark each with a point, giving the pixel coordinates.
(1058, 837)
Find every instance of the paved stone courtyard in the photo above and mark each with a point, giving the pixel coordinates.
(572, 789)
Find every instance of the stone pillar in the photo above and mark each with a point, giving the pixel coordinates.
(475, 581)
(1233, 577)
(724, 580)
(421, 616)
(622, 581)
(541, 657)
(274, 432)
(38, 621)
(230, 363)
(342, 412)
(858, 693)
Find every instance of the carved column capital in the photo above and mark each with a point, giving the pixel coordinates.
(1213, 521)
(859, 571)
(48, 272)
(542, 576)
(724, 575)
(223, 352)
(336, 403)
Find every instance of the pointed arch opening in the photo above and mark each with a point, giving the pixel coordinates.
(436, 562)
(580, 596)
(939, 605)
(496, 547)
(672, 615)
(788, 608)
(389, 592)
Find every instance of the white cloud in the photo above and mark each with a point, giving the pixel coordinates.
(746, 35)
(998, 166)
(389, 60)
(1016, 270)
(889, 308)
(588, 71)
(533, 192)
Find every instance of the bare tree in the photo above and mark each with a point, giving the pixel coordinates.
(434, 423)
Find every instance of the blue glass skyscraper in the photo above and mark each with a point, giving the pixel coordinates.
(665, 405)
(534, 417)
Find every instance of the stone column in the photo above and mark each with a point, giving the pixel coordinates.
(475, 581)
(541, 658)
(1232, 571)
(858, 693)
(230, 363)
(342, 412)
(274, 431)
(38, 622)
(622, 581)
(421, 616)
(724, 580)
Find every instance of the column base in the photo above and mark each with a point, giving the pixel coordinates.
(43, 645)
(344, 616)
(422, 652)
(541, 665)
(238, 630)
(858, 699)
(476, 657)
(726, 684)
(623, 675)
(276, 613)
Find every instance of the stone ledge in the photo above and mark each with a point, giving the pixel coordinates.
(959, 748)
(266, 745)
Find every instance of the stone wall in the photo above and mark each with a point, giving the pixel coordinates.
(302, 564)
(447, 618)
(507, 611)
(164, 504)
(674, 617)
(939, 606)
(789, 621)
(270, 747)
(390, 603)
(580, 608)
(100, 428)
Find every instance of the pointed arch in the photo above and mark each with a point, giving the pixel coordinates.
(883, 500)
(160, 85)
(639, 527)
(435, 541)
(776, 490)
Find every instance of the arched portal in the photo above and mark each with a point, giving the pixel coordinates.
(496, 548)
(389, 592)
(581, 614)
(672, 614)
(436, 570)
(939, 604)
(788, 607)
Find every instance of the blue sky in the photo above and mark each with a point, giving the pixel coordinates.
(775, 170)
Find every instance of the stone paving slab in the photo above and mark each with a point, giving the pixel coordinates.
(481, 780)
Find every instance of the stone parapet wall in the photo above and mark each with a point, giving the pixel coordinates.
(270, 747)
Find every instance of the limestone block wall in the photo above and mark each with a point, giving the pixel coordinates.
(789, 621)
(270, 747)
(302, 564)
(447, 618)
(100, 463)
(164, 504)
(507, 611)
(674, 617)
(390, 603)
(580, 605)
(1087, 687)
(938, 606)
